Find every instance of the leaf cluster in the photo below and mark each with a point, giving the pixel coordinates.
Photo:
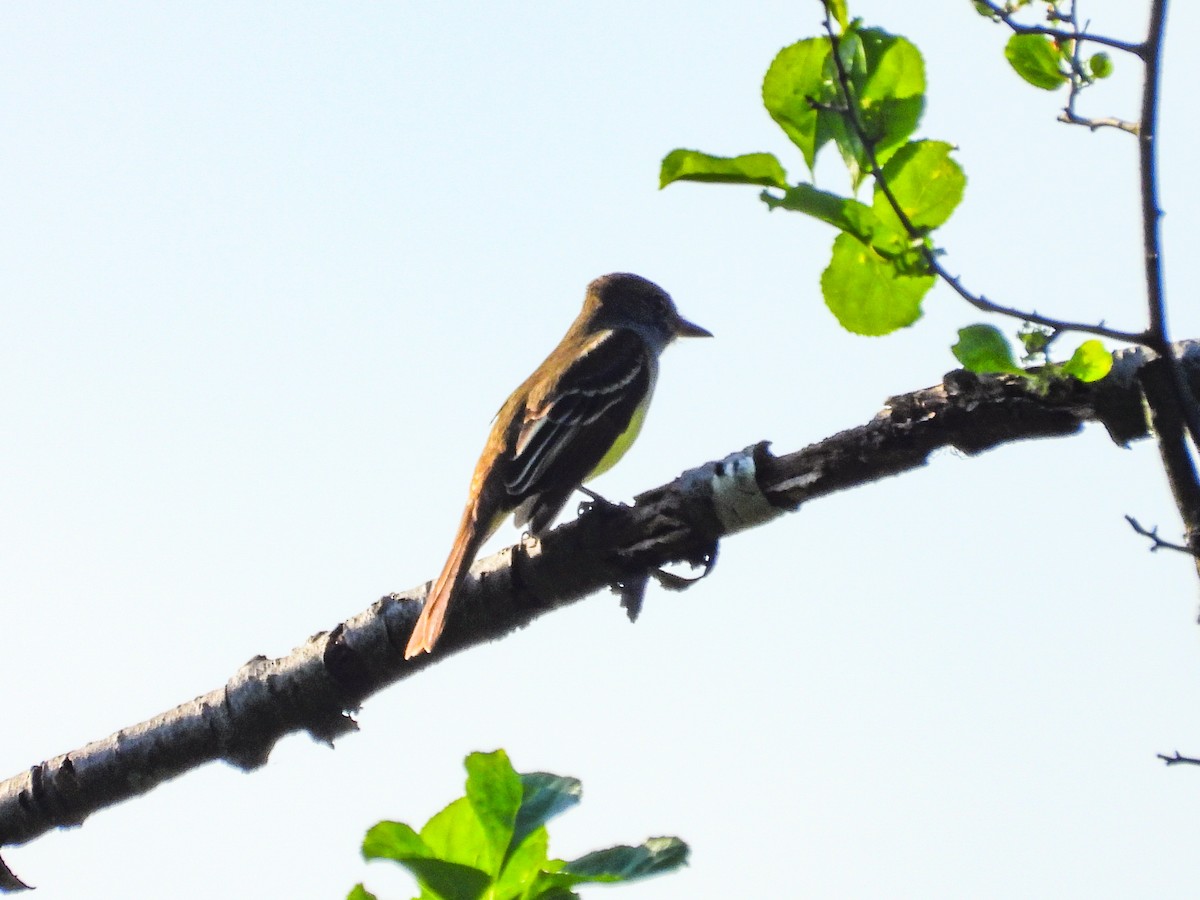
(877, 275)
(862, 90)
(985, 349)
(492, 843)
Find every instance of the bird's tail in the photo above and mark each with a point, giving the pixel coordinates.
(433, 616)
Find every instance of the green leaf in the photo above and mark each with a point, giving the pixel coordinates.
(553, 887)
(544, 797)
(887, 86)
(1090, 362)
(834, 209)
(524, 864)
(358, 892)
(1101, 65)
(393, 840)
(456, 834)
(796, 76)
(892, 95)
(655, 856)
(616, 864)
(494, 792)
(887, 81)
(448, 880)
(749, 168)
(1036, 59)
(834, 122)
(834, 126)
(926, 183)
(840, 212)
(441, 880)
(894, 67)
(982, 348)
(837, 9)
(869, 294)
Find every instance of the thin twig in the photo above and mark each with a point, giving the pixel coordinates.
(977, 300)
(999, 12)
(1070, 117)
(1157, 543)
(1178, 760)
(1079, 80)
(981, 302)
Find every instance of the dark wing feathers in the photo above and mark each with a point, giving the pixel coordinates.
(563, 438)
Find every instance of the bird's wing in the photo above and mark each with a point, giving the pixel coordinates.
(565, 434)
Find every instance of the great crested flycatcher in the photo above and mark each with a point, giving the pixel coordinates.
(572, 419)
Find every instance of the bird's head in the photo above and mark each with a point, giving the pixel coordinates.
(624, 300)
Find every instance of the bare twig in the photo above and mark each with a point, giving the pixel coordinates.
(1157, 543)
(982, 303)
(1070, 117)
(1179, 760)
(1078, 81)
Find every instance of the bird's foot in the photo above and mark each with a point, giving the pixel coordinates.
(595, 502)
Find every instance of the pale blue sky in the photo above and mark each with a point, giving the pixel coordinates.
(268, 271)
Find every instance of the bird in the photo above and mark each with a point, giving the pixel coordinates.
(569, 421)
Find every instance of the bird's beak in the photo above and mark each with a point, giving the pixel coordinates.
(684, 328)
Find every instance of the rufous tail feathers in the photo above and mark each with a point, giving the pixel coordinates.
(433, 617)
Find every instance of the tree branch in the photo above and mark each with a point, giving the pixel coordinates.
(321, 683)
(1148, 168)
(1172, 401)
